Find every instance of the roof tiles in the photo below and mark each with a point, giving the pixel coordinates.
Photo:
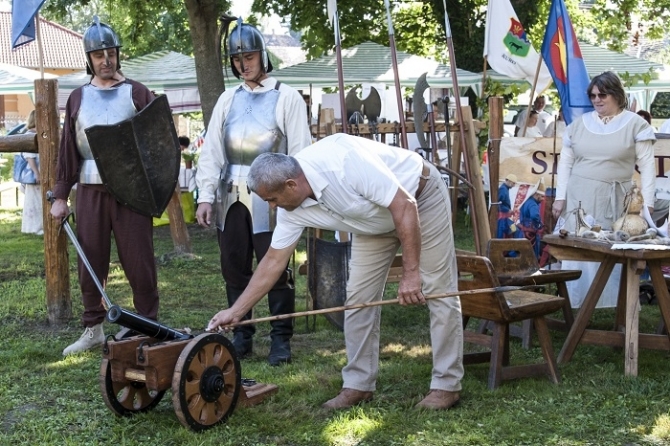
(62, 47)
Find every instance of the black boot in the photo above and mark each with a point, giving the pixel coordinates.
(242, 336)
(281, 302)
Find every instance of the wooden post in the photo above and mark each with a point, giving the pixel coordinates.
(496, 113)
(56, 259)
(478, 212)
(178, 229)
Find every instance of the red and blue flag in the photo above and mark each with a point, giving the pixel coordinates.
(563, 57)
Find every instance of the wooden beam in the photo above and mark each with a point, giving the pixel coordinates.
(56, 259)
(496, 113)
(178, 229)
(478, 211)
(19, 143)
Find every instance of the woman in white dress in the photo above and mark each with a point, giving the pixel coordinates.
(600, 151)
(31, 218)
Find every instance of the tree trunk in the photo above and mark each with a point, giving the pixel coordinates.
(203, 18)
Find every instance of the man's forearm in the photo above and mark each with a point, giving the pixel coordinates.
(266, 275)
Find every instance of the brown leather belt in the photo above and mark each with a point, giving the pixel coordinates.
(422, 181)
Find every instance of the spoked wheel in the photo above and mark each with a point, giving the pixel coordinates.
(126, 397)
(206, 382)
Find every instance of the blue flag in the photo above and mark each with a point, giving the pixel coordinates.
(23, 20)
(563, 57)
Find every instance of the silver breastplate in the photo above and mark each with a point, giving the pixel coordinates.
(250, 129)
(100, 106)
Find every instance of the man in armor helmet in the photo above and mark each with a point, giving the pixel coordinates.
(107, 99)
(261, 115)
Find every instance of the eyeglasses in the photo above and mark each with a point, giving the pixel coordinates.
(600, 95)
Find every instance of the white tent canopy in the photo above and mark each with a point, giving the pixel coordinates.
(372, 63)
(17, 80)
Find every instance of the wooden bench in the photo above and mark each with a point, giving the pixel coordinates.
(501, 309)
(515, 264)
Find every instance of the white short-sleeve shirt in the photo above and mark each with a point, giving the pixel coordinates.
(354, 181)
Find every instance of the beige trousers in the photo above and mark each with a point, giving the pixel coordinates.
(371, 257)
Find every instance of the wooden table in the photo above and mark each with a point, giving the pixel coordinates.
(625, 333)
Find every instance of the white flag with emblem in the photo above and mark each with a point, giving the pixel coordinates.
(507, 48)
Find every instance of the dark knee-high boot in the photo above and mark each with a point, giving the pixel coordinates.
(281, 302)
(242, 336)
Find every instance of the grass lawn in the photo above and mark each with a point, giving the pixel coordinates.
(46, 399)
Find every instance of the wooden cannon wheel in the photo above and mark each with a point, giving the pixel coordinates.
(206, 382)
(126, 397)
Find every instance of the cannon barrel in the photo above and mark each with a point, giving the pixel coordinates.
(143, 325)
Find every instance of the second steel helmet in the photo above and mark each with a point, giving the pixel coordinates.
(246, 38)
(100, 36)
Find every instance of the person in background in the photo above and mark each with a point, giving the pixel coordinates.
(530, 219)
(665, 127)
(184, 142)
(108, 98)
(31, 217)
(505, 224)
(544, 119)
(389, 198)
(647, 117)
(532, 130)
(557, 127)
(261, 115)
(600, 152)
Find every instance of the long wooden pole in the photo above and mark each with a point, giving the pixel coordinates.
(340, 74)
(396, 77)
(500, 289)
(532, 94)
(461, 126)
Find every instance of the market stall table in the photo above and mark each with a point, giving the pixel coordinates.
(634, 262)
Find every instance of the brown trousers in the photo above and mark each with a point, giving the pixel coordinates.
(99, 215)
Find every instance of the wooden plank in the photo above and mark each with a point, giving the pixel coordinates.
(496, 113)
(252, 395)
(584, 315)
(478, 210)
(632, 317)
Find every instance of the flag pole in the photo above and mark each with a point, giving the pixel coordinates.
(394, 60)
(532, 93)
(40, 50)
(340, 74)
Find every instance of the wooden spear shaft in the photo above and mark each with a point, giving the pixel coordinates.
(396, 77)
(500, 289)
(340, 73)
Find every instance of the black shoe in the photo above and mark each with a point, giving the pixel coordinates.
(243, 345)
(280, 352)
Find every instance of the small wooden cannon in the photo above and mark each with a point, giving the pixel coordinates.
(202, 371)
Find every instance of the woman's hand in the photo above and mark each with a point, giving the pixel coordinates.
(557, 208)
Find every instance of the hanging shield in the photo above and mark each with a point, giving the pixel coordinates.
(138, 159)
(328, 269)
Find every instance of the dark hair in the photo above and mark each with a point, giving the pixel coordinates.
(184, 141)
(609, 83)
(645, 115)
